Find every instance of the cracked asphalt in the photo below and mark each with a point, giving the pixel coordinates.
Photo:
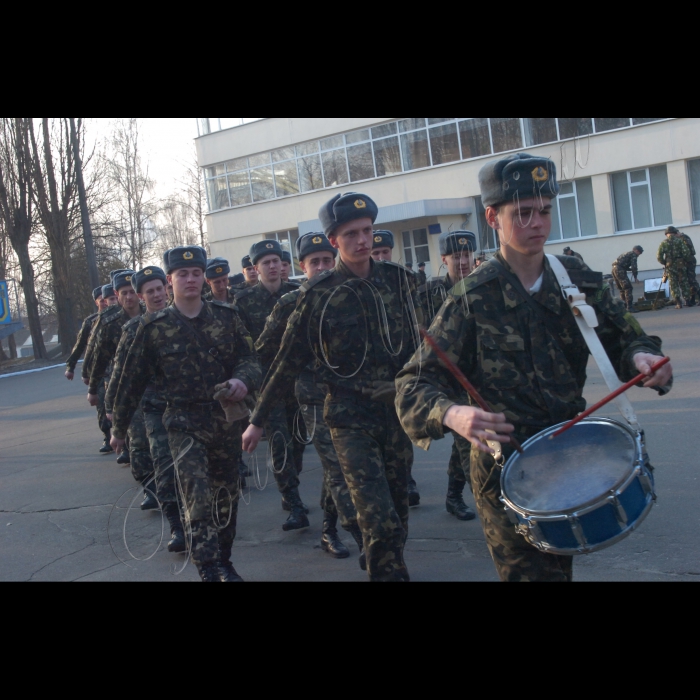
(65, 511)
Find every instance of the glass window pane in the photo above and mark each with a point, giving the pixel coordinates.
(474, 134)
(439, 120)
(261, 159)
(234, 166)
(555, 235)
(571, 127)
(332, 143)
(422, 254)
(506, 134)
(307, 149)
(263, 187)
(387, 156)
(420, 237)
(623, 214)
(569, 217)
(646, 120)
(694, 177)
(310, 176)
(239, 188)
(218, 193)
(335, 168)
(415, 150)
(444, 144)
(379, 132)
(567, 188)
(406, 239)
(411, 124)
(283, 154)
(638, 176)
(660, 195)
(215, 170)
(408, 254)
(357, 136)
(609, 123)
(360, 162)
(286, 178)
(586, 207)
(540, 130)
(641, 206)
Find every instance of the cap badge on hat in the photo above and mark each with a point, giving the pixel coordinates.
(377, 239)
(317, 241)
(463, 241)
(148, 272)
(188, 256)
(360, 204)
(128, 278)
(269, 246)
(219, 270)
(540, 174)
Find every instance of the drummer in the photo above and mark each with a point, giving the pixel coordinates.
(528, 360)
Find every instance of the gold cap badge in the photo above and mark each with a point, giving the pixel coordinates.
(540, 174)
(148, 272)
(377, 239)
(317, 241)
(188, 256)
(128, 278)
(269, 246)
(219, 270)
(463, 241)
(360, 204)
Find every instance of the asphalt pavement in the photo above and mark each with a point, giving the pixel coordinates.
(66, 513)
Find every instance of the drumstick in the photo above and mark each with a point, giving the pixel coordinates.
(457, 373)
(612, 397)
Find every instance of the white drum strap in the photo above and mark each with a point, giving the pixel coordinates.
(587, 322)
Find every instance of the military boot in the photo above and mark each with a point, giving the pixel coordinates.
(330, 542)
(413, 495)
(177, 544)
(357, 536)
(106, 448)
(287, 508)
(297, 519)
(228, 573)
(455, 503)
(124, 458)
(210, 572)
(150, 502)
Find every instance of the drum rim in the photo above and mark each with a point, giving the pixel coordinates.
(593, 503)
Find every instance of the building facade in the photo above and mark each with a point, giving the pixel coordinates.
(624, 180)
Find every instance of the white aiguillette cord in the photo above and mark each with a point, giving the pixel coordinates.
(587, 322)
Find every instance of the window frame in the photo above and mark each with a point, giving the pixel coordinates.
(648, 183)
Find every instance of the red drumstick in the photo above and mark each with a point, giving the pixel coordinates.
(457, 373)
(612, 397)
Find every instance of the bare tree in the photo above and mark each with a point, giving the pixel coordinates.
(16, 193)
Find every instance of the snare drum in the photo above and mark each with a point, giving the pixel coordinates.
(581, 492)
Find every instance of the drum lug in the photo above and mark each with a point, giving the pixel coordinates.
(576, 528)
(646, 482)
(620, 512)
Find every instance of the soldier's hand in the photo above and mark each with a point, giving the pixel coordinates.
(644, 362)
(69, 375)
(478, 426)
(93, 399)
(251, 438)
(86, 381)
(117, 445)
(110, 417)
(238, 391)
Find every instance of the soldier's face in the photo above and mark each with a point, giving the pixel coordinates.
(154, 295)
(380, 254)
(524, 227)
(270, 268)
(111, 301)
(459, 265)
(354, 240)
(251, 274)
(187, 283)
(128, 299)
(317, 263)
(219, 287)
(101, 304)
(286, 267)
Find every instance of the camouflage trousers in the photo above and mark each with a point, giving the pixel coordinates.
(207, 475)
(516, 560)
(104, 424)
(375, 455)
(139, 448)
(459, 468)
(298, 447)
(693, 280)
(281, 444)
(335, 494)
(162, 458)
(624, 285)
(679, 284)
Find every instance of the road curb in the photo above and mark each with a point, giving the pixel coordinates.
(33, 371)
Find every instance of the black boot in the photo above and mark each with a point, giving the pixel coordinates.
(210, 572)
(243, 469)
(413, 495)
(357, 536)
(124, 458)
(106, 448)
(297, 519)
(455, 503)
(177, 544)
(228, 573)
(330, 542)
(287, 508)
(150, 502)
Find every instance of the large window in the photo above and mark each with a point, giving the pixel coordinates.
(694, 178)
(573, 214)
(416, 248)
(642, 199)
(389, 149)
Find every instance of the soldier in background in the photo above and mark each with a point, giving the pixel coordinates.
(216, 275)
(383, 246)
(237, 283)
(692, 266)
(573, 253)
(675, 257)
(422, 277)
(624, 264)
(192, 348)
(84, 335)
(249, 271)
(287, 267)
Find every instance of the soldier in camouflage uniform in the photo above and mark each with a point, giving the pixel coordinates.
(359, 322)
(510, 331)
(457, 249)
(216, 275)
(192, 347)
(675, 256)
(249, 272)
(316, 255)
(624, 264)
(254, 305)
(692, 266)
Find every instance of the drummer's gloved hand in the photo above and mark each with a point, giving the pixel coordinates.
(478, 426)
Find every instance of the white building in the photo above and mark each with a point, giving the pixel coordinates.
(623, 179)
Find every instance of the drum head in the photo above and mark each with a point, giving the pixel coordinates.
(574, 470)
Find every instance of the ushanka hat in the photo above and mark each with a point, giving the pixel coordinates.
(347, 207)
(187, 256)
(217, 267)
(383, 239)
(311, 243)
(148, 274)
(518, 176)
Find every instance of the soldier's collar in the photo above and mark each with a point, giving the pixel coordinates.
(549, 296)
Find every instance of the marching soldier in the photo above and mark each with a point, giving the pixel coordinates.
(624, 264)
(358, 322)
(254, 306)
(422, 277)
(510, 331)
(692, 266)
(316, 255)
(237, 283)
(84, 335)
(216, 275)
(676, 258)
(383, 246)
(192, 348)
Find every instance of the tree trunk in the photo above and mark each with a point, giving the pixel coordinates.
(32, 302)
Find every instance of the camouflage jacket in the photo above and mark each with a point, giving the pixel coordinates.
(102, 318)
(518, 365)
(433, 295)
(673, 252)
(185, 367)
(627, 263)
(107, 336)
(689, 242)
(230, 296)
(82, 342)
(359, 331)
(255, 304)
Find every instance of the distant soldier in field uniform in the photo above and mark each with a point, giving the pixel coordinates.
(249, 271)
(316, 255)
(624, 264)
(254, 305)
(358, 322)
(383, 246)
(495, 326)
(237, 283)
(692, 266)
(192, 348)
(676, 258)
(573, 253)
(422, 277)
(216, 275)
